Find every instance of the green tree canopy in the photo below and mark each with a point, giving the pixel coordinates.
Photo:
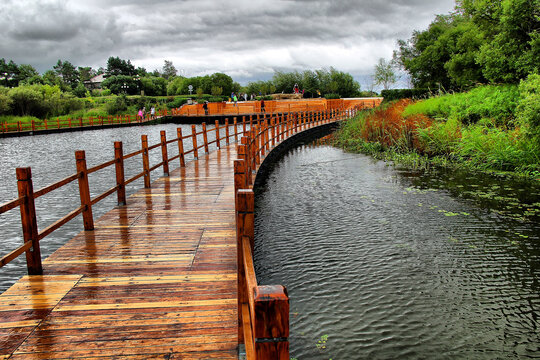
(483, 41)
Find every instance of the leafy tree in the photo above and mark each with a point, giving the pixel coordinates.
(217, 90)
(86, 73)
(221, 80)
(117, 66)
(284, 82)
(8, 73)
(121, 84)
(154, 86)
(67, 72)
(384, 73)
(51, 78)
(27, 100)
(310, 82)
(169, 71)
(200, 92)
(5, 101)
(80, 90)
(346, 85)
(513, 52)
(26, 72)
(482, 41)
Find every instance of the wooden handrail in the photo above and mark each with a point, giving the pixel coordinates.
(262, 310)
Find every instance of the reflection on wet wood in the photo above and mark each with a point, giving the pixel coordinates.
(155, 279)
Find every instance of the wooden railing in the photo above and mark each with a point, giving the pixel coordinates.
(214, 109)
(27, 196)
(50, 124)
(263, 310)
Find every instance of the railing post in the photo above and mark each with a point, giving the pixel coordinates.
(244, 125)
(245, 206)
(180, 147)
(28, 220)
(120, 179)
(146, 161)
(267, 135)
(271, 327)
(273, 131)
(205, 138)
(226, 131)
(33, 125)
(194, 141)
(84, 190)
(247, 157)
(235, 124)
(257, 144)
(164, 153)
(45, 123)
(217, 135)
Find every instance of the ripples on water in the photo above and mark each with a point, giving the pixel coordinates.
(52, 158)
(393, 265)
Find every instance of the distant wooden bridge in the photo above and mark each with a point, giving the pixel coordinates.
(167, 274)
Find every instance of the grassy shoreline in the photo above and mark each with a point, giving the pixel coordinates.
(485, 130)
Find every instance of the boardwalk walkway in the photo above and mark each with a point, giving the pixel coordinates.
(156, 279)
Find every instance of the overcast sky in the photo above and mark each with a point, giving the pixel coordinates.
(246, 39)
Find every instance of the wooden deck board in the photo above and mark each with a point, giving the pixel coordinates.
(155, 279)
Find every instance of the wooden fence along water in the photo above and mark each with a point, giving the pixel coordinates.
(263, 311)
(214, 109)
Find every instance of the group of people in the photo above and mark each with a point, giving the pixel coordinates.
(234, 98)
(141, 115)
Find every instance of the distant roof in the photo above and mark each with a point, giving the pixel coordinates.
(97, 79)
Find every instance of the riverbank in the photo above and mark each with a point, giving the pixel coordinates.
(490, 129)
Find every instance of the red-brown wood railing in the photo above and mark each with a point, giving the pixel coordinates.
(263, 311)
(215, 109)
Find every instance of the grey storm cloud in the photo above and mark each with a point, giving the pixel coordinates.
(245, 38)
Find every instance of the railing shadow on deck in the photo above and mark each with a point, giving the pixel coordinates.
(263, 311)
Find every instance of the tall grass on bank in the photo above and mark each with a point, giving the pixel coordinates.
(475, 130)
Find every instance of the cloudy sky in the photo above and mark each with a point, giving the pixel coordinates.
(246, 39)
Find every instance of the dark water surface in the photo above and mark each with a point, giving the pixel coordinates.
(52, 158)
(397, 265)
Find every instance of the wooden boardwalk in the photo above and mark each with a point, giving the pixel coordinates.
(155, 279)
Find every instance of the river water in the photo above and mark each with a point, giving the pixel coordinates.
(52, 158)
(381, 263)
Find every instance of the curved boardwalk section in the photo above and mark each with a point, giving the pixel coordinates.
(159, 278)
(162, 277)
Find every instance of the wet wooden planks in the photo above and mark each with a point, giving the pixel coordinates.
(156, 279)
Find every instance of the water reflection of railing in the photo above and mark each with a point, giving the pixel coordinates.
(263, 310)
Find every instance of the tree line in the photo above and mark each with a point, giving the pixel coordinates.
(481, 42)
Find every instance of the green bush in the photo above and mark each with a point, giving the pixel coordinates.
(117, 106)
(495, 104)
(528, 109)
(177, 102)
(332, 96)
(398, 94)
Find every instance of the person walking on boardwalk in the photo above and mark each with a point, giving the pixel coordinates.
(140, 115)
(152, 112)
(262, 106)
(235, 99)
(205, 107)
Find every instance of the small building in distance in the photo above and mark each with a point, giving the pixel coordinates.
(95, 82)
